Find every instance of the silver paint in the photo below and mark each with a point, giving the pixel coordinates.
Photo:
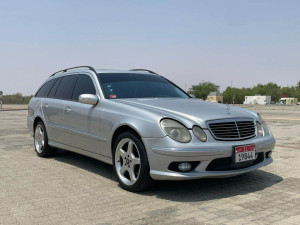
(88, 129)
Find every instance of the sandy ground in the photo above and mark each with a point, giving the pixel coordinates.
(274, 113)
(13, 107)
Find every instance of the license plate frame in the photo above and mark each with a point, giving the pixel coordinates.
(249, 150)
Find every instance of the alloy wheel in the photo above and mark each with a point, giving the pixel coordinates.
(127, 161)
(39, 138)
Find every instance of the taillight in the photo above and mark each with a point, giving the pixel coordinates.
(30, 111)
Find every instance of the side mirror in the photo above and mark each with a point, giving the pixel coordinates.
(88, 99)
(193, 96)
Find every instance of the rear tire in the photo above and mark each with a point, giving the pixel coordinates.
(130, 162)
(41, 146)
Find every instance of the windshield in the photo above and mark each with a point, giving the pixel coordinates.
(127, 85)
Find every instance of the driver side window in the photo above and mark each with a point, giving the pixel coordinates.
(84, 85)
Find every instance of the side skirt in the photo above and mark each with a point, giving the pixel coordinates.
(81, 151)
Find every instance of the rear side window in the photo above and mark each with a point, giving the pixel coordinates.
(54, 88)
(84, 85)
(65, 87)
(44, 90)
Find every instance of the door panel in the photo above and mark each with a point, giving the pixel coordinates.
(83, 126)
(82, 120)
(53, 110)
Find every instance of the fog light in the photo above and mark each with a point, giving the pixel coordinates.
(269, 154)
(184, 167)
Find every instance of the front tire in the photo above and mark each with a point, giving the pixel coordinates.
(42, 148)
(130, 162)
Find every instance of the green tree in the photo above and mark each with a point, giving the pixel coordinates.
(228, 95)
(270, 89)
(297, 92)
(16, 99)
(289, 91)
(203, 89)
(236, 94)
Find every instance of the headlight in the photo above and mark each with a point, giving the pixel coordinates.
(260, 130)
(176, 130)
(199, 133)
(264, 126)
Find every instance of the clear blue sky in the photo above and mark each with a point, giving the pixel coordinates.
(247, 42)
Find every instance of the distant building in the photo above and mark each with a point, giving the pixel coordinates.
(257, 99)
(288, 101)
(215, 97)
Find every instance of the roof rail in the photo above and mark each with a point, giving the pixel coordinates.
(143, 70)
(76, 67)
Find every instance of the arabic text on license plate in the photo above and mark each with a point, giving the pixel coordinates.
(244, 153)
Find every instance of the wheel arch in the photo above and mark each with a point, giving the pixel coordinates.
(121, 129)
(36, 120)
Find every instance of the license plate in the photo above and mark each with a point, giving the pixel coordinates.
(244, 153)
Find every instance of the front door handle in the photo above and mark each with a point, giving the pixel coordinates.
(68, 109)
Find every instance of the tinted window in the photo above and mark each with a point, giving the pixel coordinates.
(84, 85)
(54, 88)
(65, 87)
(44, 90)
(128, 85)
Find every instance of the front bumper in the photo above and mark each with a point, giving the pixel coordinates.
(160, 156)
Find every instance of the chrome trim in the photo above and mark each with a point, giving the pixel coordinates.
(235, 121)
(188, 152)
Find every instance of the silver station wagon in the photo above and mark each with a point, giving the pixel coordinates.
(145, 126)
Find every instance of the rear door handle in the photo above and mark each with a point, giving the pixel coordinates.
(68, 109)
(46, 105)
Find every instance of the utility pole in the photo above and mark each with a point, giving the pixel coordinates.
(230, 89)
(231, 92)
(1, 93)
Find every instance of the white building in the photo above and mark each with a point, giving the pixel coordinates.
(257, 99)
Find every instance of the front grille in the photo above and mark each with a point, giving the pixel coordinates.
(225, 164)
(232, 129)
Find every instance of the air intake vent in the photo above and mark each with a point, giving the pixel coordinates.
(232, 129)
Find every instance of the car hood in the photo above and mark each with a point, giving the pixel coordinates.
(189, 111)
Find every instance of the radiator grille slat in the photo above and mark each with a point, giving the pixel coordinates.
(232, 129)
